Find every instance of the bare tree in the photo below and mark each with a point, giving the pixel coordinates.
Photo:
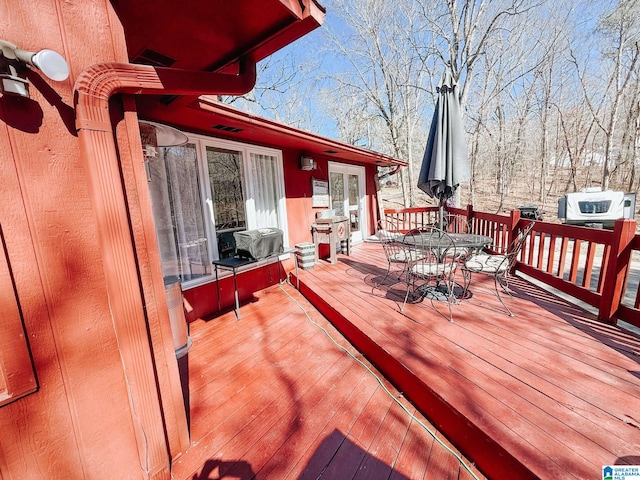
(375, 43)
(548, 82)
(620, 28)
(285, 85)
(534, 90)
(627, 158)
(635, 149)
(465, 30)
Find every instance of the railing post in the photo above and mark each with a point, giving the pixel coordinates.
(513, 227)
(469, 213)
(616, 269)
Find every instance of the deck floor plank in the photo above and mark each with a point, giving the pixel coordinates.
(475, 391)
(441, 464)
(540, 368)
(278, 426)
(271, 396)
(576, 440)
(261, 408)
(246, 383)
(414, 454)
(557, 388)
(319, 425)
(354, 447)
(552, 384)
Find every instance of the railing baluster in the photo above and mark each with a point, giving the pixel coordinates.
(588, 266)
(605, 261)
(550, 247)
(552, 253)
(575, 259)
(563, 257)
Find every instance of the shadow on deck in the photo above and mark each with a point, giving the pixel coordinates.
(549, 393)
(280, 394)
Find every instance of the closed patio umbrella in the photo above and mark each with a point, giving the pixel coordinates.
(445, 163)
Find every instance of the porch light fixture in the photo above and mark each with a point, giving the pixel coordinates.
(11, 83)
(166, 136)
(14, 60)
(307, 163)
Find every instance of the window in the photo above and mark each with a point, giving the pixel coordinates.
(202, 193)
(226, 182)
(600, 206)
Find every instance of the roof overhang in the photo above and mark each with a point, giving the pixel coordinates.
(216, 36)
(207, 116)
(213, 34)
(285, 136)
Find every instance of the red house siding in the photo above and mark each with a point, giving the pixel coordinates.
(300, 215)
(79, 421)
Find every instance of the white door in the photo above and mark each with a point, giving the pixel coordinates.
(347, 193)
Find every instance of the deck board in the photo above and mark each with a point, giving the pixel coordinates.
(272, 396)
(557, 390)
(321, 423)
(416, 445)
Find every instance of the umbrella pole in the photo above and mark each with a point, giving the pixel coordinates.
(440, 219)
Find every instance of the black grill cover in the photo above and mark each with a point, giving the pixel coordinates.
(259, 243)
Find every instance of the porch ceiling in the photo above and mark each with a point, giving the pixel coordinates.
(214, 34)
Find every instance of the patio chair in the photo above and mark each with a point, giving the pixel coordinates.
(395, 253)
(434, 258)
(498, 266)
(454, 224)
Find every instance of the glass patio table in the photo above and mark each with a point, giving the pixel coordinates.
(443, 244)
(435, 241)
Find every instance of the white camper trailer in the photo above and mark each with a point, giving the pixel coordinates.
(592, 207)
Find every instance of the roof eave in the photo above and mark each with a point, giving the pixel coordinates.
(303, 138)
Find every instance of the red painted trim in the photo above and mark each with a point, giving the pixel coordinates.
(99, 82)
(572, 289)
(249, 121)
(630, 315)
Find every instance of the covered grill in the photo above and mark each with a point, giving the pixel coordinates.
(259, 243)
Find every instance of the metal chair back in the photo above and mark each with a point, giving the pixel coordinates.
(434, 257)
(499, 266)
(395, 253)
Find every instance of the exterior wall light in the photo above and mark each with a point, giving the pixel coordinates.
(12, 84)
(14, 60)
(307, 163)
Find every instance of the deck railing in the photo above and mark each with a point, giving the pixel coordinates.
(406, 219)
(592, 265)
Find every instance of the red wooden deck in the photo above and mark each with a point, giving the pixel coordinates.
(272, 396)
(549, 393)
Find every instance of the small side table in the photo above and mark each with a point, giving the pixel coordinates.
(233, 264)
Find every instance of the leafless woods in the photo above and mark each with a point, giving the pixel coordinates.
(550, 90)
